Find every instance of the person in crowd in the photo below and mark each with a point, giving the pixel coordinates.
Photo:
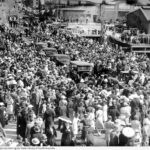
(116, 89)
(75, 125)
(49, 116)
(67, 135)
(51, 135)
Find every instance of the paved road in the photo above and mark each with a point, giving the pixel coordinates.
(10, 130)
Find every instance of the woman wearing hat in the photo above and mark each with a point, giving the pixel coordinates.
(126, 110)
(51, 135)
(30, 124)
(10, 106)
(99, 118)
(67, 135)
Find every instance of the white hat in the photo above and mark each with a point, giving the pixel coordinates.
(128, 132)
(125, 104)
(30, 106)
(99, 106)
(82, 81)
(35, 141)
(122, 117)
(10, 78)
(146, 121)
(1, 104)
(19, 70)
(63, 97)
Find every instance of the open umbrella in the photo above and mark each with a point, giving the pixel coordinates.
(65, 119)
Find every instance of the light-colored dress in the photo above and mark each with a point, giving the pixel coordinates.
(91, 119)
(75, 125)
(99, 120)
(105, 116)
(10, 106)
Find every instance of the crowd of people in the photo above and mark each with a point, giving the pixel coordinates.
(128, 35)
(40, 95)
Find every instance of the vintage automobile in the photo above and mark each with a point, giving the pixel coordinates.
(40, 45)
(49, 52)
(82, 66)
(62, 59)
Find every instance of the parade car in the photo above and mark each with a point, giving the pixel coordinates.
(40, 45)
(50, 51)
(62, 59)
(82, 66)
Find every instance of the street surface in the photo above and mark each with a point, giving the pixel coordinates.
(10, 130)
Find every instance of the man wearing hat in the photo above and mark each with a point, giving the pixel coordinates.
(49, 116)
(2, 114)
(113, 111)
(63, 109)
(114, 136)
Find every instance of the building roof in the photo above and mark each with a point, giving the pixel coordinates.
(145, 11)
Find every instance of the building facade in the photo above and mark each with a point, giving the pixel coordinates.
(116, 11)
(8, 8)
(140, 19)
(81, 14)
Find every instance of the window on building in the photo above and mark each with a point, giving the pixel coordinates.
(99, 32)
(79, 2)
(94, 32)
(95, 18)
(122, 14)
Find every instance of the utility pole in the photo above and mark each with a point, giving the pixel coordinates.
(39, 6)
(58, 9)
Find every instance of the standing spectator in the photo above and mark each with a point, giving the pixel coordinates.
(51, 135)
(67, 135)
(49, 116)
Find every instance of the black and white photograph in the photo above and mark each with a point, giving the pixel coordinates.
(74, 73)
